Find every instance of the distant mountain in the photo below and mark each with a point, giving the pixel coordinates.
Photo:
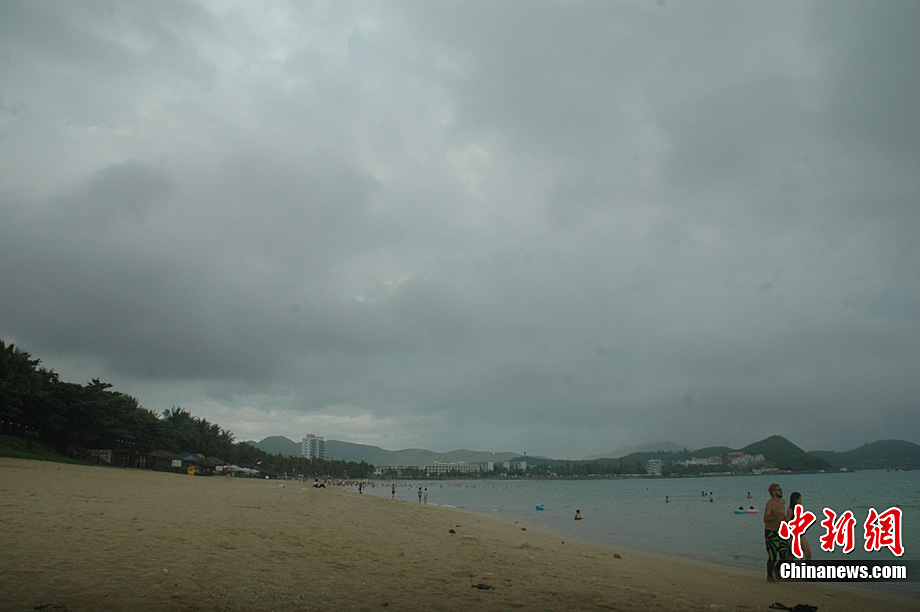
(884, 454)
(712, 451)
(785, 455)
(778, 451)
(349, 451)
(649, 447)
(278, 445)
(411, 456)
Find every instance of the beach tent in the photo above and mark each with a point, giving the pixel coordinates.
(200, 463)
(244, 471)
(220, 466)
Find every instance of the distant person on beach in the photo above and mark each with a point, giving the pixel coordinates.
(777, 547)
(796, 500)
(577, 515)
(426, 495)
(393, 491)
(420, 495)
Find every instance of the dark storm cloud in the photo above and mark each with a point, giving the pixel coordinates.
(543, 227)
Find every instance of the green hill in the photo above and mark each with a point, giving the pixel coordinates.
(883, 454)
(349, 451)
(710, 451)
(278, 445)
(785, 455)
(778, 452)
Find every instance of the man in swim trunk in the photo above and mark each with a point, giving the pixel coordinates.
(777, 548)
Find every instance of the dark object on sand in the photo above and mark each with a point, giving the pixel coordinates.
(795, 608)
(483, 586)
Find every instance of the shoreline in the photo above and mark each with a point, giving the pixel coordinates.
(741, 569)
(461, 478)
(95, 538)
(653, 544)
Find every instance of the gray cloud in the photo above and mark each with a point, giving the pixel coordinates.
(545, 228)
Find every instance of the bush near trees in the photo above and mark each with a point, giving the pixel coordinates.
(37, 406)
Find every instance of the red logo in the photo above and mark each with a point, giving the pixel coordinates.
(880, 530)
(884, 530)
(796, 528)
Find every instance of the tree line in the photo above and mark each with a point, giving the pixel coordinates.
(36, 404)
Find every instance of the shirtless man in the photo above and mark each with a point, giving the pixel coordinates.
(777, 547)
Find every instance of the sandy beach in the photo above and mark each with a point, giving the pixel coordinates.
(90, 538)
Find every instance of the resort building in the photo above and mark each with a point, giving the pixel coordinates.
(717, 460)
(380, 470)
(735, 459)
(313, 447)
(653, 467)
(740, 459)
(445, 468)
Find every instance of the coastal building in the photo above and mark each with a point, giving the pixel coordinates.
(313, 447)
(735, 459)
(653, 467)
(717, 460)
(515, 466)
(743, 460)
(445, 468)
(380, 470)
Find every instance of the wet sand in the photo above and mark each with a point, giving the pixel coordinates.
(76, 538)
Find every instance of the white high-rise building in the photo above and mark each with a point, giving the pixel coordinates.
(313, 447)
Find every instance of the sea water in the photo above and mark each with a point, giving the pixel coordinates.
(634, 513)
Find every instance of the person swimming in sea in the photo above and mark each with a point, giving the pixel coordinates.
(577, 515)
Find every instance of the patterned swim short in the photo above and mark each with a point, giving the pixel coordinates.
(777, 547)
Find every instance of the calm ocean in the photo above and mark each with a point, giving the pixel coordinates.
(633, 513)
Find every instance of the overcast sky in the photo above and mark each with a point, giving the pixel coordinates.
(543, 227)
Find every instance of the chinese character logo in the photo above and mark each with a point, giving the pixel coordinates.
(884, 530)
(795, 529)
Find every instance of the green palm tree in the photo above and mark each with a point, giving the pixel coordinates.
(184, 430)
(23, 384)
